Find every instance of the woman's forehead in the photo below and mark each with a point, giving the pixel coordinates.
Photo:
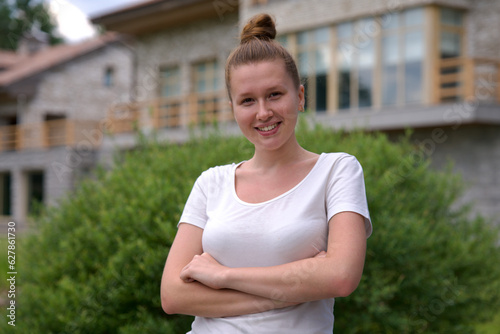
(274, 71)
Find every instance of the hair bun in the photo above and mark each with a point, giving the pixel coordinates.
(260, 26)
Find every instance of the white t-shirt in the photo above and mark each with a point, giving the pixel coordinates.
(287, 228)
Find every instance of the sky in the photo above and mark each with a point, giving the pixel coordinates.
(72, 15)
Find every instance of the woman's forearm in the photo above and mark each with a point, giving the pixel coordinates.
(199, 300)
(300, 281)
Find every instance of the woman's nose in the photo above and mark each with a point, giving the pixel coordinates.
(264, 111)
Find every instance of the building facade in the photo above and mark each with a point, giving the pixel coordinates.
(380, 65)
(384, 65)
(53, 104)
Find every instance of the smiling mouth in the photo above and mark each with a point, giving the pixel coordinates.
(268, 128)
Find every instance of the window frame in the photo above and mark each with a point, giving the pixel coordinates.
(163, 80)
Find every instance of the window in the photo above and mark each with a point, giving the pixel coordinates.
(283, 40)
(390, 59)
(345, 31)
(5, 194)
(450, 47)
(206, 84)
(314, 63)
(35, 191)
(451, 17)
(379, 61)
(451, 33)
(414, 54)
(170, 82)
(206, 77)
(365, 65)
(168, 114)
(403, 50)
(450, 44)
(355, 61)
(108, 80)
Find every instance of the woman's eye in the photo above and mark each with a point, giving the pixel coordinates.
(274, 94)
(246, 101)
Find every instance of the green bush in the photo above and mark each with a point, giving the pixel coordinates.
(94, 264)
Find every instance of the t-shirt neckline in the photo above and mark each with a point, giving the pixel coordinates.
(238, 199)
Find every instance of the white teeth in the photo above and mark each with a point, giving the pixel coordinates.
(269, 128)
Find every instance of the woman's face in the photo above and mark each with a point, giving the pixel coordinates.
(265, 103)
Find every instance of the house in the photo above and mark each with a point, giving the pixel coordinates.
(382, 65)
(385, 65)
(53, 107)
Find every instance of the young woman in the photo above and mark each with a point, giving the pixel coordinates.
(265, 245)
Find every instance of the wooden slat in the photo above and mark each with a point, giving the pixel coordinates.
(45, 134)
(449, 78)
(8, 135)
(450, 92)
(450, 62)
(468, 79)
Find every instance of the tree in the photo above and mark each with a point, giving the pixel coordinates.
(21, 17)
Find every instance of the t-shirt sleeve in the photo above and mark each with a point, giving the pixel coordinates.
(346, 190)
(195, 210)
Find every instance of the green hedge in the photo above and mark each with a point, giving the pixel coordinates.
(94, 264)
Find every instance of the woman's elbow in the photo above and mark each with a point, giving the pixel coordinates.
(168, 305)
(344, 286)
(345, 289)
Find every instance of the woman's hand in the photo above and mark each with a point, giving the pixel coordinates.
(206, 270)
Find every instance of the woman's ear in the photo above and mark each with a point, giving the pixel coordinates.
(302, 100)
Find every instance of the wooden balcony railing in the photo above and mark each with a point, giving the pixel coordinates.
(45, 134)
(171, 112)
(468, 79)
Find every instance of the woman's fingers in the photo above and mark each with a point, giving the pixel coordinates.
(204, 269)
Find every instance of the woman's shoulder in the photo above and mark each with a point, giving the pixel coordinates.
(339, 163)
(219, 172)
(339, 157)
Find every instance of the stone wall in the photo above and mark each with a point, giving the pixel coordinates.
(483, 29)
(61, 167)
(183, 46)
(76, 89)
(292, 16)
(474, 151)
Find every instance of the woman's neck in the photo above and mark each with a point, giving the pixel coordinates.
(271, 159)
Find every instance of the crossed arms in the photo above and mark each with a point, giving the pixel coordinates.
(194, 283)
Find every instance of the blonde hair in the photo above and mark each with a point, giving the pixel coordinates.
(257, 44)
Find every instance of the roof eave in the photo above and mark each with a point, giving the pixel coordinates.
(157, 15)
(9, 82)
